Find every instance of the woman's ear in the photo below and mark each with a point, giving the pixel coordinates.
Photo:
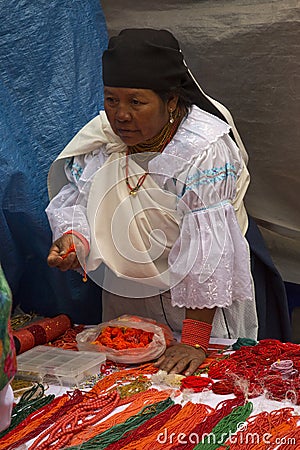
(172, 102)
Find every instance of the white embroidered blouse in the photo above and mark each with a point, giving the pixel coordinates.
(202, 166)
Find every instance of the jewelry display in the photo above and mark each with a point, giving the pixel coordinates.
(156, 144)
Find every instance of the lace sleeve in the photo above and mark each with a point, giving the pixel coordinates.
(210, 262)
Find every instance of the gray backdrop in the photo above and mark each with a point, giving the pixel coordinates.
(246, 55)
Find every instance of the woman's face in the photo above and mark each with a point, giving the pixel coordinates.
(136, 115)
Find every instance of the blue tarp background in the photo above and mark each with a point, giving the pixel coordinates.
(50, 86)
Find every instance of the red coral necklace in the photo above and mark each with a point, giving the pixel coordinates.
(156, 144)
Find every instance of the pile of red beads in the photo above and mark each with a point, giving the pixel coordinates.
(270, 366)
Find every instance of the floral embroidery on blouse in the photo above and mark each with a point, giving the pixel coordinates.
(75, 168)
(208, 176)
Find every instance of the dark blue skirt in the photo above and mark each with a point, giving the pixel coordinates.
(271, 299)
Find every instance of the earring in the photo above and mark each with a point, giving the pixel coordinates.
(171, 119)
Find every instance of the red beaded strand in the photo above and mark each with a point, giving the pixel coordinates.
(85, 414)
(196, 383)
(143, 430)
(260, 430)
(211, 420)
(75, 399)
(31, 422)
(251, 370)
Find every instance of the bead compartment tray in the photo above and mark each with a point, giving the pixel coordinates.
(57, 366)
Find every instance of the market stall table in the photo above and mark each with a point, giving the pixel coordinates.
(187, 409)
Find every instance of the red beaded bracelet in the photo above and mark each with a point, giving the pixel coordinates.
(196, 333)
(86, 247)
(82, 238)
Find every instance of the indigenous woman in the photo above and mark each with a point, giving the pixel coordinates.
(153, 188)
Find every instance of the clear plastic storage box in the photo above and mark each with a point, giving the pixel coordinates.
(57, 366)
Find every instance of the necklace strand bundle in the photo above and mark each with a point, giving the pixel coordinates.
(148, 427)
(195, 383)
(139, 384)
(227, 426)
(49, 419)
(250, 371)
(121, 376)
(79, 417)
(290, 439)
(102, 440)
(137, 402)
(261, 427)
(223, 409)
(33, 418)
(181, 423)
(25, 413)
(66, 420)
(68, 340)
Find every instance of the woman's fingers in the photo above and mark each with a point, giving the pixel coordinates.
(63, 253)
(54, 257)
(181, 358)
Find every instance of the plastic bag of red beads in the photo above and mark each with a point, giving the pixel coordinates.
(127, 339)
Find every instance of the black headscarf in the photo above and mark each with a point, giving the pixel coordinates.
(145, 58)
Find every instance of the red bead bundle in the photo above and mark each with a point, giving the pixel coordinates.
(250, 371)
(195, 383)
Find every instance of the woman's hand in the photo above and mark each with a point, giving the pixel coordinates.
(60, 255)
(181, 358)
